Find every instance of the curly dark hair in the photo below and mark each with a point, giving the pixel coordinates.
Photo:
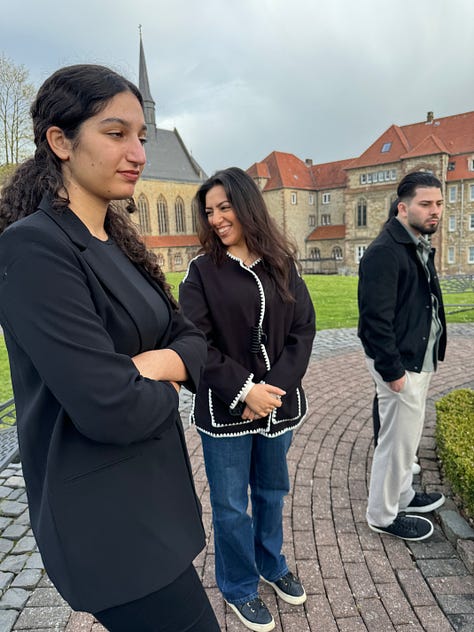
(261, 233)
(66, 99)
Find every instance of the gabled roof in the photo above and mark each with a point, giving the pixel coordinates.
(168, 241)
(459, 167)
(284, 171)
(330, 174)
(167, 157)
(451, 134)
(338, 231)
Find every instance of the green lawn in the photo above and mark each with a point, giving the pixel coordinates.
(335, 300)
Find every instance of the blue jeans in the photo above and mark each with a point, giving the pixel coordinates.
(247, 546)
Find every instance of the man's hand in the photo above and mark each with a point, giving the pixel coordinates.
(397, 385)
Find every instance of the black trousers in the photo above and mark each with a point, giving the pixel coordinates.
(182, 606)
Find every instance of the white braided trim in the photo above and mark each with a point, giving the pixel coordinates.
(236, 399)
(297, 416)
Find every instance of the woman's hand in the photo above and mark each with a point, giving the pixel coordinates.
(261, 400)
(161, 364)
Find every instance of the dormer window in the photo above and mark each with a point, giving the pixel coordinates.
(451, 165)
(386, 147)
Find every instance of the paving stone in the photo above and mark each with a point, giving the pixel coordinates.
(28, 578)
(455, 526)
(27, 544)
(456, 604)
(454, 585)
(14, 563)
(12, 508)
(462, 622)
(442, 567)
(35, 561)
(24, 518)
(6, 545)
(15, 481)
(14, 598)
(15, 494)
(5, 580)
(46, 597)
(47, 617)
(7, 620)
(433, 620)
(15, 531)
(80, 622)
(4, 491)
(415, 588)
(466, 551)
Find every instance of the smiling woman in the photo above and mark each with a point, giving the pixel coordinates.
(98, 353)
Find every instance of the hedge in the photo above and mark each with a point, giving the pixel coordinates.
(455, 439)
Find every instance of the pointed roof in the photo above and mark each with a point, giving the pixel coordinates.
(144, 86)
(330, 174)
(453, 135)
(167, 157)
(283, 171)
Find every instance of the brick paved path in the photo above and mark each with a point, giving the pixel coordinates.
(356, 580)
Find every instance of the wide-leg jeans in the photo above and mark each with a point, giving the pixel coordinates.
(247, 546)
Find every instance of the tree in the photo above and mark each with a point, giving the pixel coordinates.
(16, 95)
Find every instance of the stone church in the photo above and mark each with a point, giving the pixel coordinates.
(165, 191)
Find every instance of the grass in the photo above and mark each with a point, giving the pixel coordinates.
(335, 300)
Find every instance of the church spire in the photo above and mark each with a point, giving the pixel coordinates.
(148, 103)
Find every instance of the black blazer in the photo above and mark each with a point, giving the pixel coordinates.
(395, 308)
(109, 484)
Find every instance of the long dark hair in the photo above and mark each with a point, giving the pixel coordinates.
(261, 233)
(66, 99)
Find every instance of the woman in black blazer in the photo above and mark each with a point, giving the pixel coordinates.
(98, 351)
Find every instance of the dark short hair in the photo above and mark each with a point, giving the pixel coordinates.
(413, 181)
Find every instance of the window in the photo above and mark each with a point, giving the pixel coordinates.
(337, 253)
(369, 178)
(179, 215)
(471, 192)
(312, 221)
(163, 225)
(387, 175)
(359, 252)
(386, 147)
(471, 221)
(375, 177)
(471, 164)
(452, 223)
(361, 213)
(326, 198)
(161, 260)
(325, 219)
(315, 254)
(293, 198)
(453, 193)
(393, 174)
(194, 215)
(178, 260)
(363, 178)
(143, 215)
(451, 165)
(311, 199)
(471, 254)
(381, 176)
(451, 254)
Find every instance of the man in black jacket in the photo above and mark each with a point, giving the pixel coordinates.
(403, 331)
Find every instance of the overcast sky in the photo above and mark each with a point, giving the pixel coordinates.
(241, 78)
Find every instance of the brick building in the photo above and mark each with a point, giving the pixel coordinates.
(334, 210)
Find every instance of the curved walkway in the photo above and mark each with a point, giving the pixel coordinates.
(356, 580)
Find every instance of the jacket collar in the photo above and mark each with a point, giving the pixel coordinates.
(104, 269)
(399, 233)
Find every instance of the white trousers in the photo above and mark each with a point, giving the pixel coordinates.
(402, 417)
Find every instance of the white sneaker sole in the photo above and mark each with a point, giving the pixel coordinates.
(426, 508)
(256, 627)
(394, 535)
(294, 601)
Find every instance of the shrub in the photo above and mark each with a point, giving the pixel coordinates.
(455, 438)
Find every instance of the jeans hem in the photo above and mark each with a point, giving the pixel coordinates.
(241, 600)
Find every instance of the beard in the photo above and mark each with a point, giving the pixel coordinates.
(423, 229)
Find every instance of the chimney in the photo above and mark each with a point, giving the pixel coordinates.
(308, 162)
(429, 117)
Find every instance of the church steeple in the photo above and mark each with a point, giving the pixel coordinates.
(144, 86)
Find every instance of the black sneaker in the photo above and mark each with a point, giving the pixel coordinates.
(424, 503)
(254, 615)
(289, 588)
(407, 527)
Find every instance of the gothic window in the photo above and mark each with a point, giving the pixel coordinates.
(163, 223)
(361, 213)
(337, 253)
(194, 215)
(315, 253)
(143, 215)
(179, 215)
